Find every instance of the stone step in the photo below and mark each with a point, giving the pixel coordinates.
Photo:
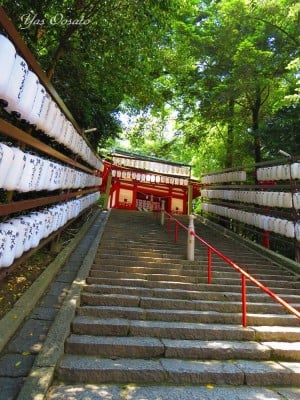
(83, 325)
(187, 316)
(138, 263)
(148, 347)
(145, 270)
(94, 369)
(224, 296)
(172, 392)
(233, 279)
(285, 334)
(143, 245)
(143, 253)
(124, 262)
(218, 287)
(178, 304)
(149, 277)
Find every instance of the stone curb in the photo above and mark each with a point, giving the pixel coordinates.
(42, 372)
(278, 258)
(11, 322)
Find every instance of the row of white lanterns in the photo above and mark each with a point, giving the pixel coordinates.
(24, 96)
(234, 176)
(150, 178)
(24, 172)
(19, 234)
(281, 226)
(262, 198)
(160, 168)
(279, 172)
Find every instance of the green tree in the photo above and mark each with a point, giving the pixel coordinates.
(98, 53)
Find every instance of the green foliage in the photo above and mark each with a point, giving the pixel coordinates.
(98, 53)
(211, 83)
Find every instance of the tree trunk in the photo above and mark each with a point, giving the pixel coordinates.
(255, 126)
(59, 52)
(230, 135)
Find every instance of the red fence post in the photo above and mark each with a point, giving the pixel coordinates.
(209, 274)
(266, 239)
(244, 301)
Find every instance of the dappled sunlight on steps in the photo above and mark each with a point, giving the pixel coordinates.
(149, 320)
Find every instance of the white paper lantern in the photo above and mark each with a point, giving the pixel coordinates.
(15, 84)
(14, 174)
(7, 59)
(297, 231)
(35, 114)
(296, 200)
(6, 159)
(10, 244)
(295, 169)
(41, 122)
(290, 229)
(28, 175)
(22, 229)
(24, 104)
(49, 119)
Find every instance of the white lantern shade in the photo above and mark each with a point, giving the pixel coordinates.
(35, 114)
(7, 59)
(6, 159)
(15, 172)
(15, 84)
(10, 244)
(29, 173)
(295, 169)
(41, 122)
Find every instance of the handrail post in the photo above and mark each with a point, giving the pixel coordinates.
(244, 301)
(209, 274)
(162, 213)
(191, 239)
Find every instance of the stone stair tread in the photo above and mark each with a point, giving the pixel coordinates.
(187, 330)
(145, 271)
(115, 346)
(148, 276)
(94, 369)
(188, 316)
(145, 267)
(130, 346)
(189, 286)
(223, 304)
(174, 392)
(182, 294)
(282, 333)
(284, 350)
(123, 370)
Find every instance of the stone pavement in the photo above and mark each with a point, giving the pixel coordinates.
(24, 330)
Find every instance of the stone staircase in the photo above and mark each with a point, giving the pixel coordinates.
(148, 317)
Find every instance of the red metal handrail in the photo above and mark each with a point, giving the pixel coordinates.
(244, 275)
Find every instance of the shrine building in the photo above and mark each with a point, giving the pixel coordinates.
(137, 182)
